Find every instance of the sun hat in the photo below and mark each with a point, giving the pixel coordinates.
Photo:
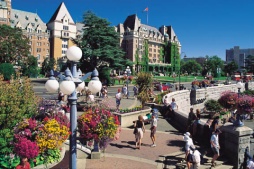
(186, 136)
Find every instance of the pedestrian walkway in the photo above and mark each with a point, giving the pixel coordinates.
(122, 153)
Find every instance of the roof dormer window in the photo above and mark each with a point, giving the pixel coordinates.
(36, 19)
(27, 17)
(16, 16)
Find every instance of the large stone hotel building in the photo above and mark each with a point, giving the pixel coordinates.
(136, 39)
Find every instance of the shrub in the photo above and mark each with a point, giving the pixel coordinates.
(213, 105)
(17, 101)
(144, 82)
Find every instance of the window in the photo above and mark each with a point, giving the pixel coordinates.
(65, 27)
(38, 57)
(39, 37)
(30, 43)
(38, 49)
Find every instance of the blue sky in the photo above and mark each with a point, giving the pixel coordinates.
(204, 27)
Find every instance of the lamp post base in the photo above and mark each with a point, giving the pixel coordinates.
(238, 122)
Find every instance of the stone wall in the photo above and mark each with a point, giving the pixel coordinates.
(234, 140)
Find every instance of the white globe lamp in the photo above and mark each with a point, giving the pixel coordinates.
(74, 53)
(52, 85)
(81, 86)
(94, 86)
(67, 87)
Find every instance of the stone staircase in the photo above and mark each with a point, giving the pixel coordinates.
(176, 161)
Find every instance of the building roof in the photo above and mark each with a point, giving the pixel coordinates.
(3, 4)
(133, 23)
(60, 13)
(24, 18)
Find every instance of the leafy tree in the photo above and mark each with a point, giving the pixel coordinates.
(144, 82)
(191, 66)
(249, 62)
(17, 101)
(30, 68)
(212, 63)
(230, 68)
(7, 70)
(14, 45)
(47, 65)
(100, 45)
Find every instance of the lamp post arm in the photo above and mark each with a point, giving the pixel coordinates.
(83, 78)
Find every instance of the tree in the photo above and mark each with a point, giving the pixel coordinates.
(100, 45)
(212, 63)
(47, 65)
(30, 68)
(7, 70)
(191, 66)
(14, 45)
(230, 68)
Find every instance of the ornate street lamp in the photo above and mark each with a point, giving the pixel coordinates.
(238, 122)
(68, 86)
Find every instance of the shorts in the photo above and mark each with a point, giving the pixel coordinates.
(216, 150)
(117, 102)
(153, 132)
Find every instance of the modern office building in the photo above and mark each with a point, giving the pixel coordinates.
(62, 30)
(145, 45)
(238, 55)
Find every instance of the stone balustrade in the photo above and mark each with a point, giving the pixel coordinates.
(234, 139)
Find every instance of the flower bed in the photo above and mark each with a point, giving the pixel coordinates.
(38, 138)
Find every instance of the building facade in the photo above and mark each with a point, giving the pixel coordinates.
(145, 45)
(62, 30)
(5, 12)
(238, 55)
(36, 31)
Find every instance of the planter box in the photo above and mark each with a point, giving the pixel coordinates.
(126, 119)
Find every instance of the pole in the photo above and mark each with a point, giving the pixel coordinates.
(72, 99)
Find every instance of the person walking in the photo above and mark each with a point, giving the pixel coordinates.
(125, 92)
(250, 164)
(191, 119)
(153, 130)
(118, 99)
(173, 104)
(215, 146)
(196, 123)
(135, 90)
(139, 124)
(188, 143)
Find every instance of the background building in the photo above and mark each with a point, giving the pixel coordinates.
(62, 31)
(5, 12)
(35, 29)
(238, 55)
(145, 45)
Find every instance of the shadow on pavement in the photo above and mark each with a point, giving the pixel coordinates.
(123, 146)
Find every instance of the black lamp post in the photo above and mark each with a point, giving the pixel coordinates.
(238, 122)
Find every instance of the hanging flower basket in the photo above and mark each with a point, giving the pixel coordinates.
(245, 105)
(228, 100)
(99, 125)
